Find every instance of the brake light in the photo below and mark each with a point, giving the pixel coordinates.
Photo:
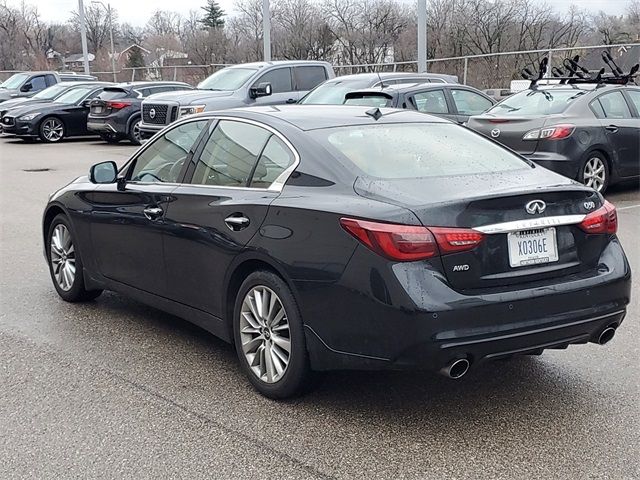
(603, 220)
(408, 243)
(556, 132)
(118, 105)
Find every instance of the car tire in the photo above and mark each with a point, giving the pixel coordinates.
(261, 337)
(112, 138)
(65, 263)
(595, 172)
(51, 130)
(135, 135)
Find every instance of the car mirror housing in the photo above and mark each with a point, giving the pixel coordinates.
(104, 172)
(261, 90)
(26, 87)
(87, 103)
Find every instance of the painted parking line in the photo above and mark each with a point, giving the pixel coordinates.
(628, 207)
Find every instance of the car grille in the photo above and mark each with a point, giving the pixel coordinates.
(8, 121)
(157, 114)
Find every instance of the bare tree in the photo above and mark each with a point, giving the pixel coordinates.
(97, 25)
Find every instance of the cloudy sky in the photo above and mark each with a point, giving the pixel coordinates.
(137, 12)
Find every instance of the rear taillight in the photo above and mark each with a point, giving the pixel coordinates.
(118, 105)
(408, 243)
(603, 220)
(556, 132)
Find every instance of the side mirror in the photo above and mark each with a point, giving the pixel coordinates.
(261, 90)
(87, 103)
(26, 87)
(104, 172)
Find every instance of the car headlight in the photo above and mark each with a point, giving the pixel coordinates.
(191, 109)
(29, 116)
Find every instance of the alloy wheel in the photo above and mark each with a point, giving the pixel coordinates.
(52, 129)
(137, 134)
(62, 257)
(595, 173)
(264, 334)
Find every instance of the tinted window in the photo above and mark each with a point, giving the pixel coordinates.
(38, 83)
(614, 105)
(597, 108)
(162, 161)
(469, 103)
(230, 154)
(417, 149)
(537, 102)
(275, 159)
(308, 77)
(280, 80)
(51, 80)
(432, 101)
(369, 101)
(634, 95)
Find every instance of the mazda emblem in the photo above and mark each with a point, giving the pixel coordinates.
(495, 133)
(152, 113)
(535, 206)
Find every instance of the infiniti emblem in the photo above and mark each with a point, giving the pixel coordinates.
(152, 113)
(535, 206)
(495, 133)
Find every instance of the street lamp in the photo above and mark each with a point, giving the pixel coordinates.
(113, 51)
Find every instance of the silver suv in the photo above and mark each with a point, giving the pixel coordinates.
(248, 84)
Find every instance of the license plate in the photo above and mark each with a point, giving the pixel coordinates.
(97, 109)
(531, 247)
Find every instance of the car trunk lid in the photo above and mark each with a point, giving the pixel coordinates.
(509, 131)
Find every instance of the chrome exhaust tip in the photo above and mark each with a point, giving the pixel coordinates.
(456, 369)
(606, 335)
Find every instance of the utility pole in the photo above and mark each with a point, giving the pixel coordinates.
(83, 37)
(422, 36)
(266, 30)
(113, 50)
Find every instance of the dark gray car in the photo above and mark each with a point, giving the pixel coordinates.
(587, 132)
(25, 84)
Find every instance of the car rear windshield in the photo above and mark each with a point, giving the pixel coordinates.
(417, 150)
(332, 93)
(227, 79)
(51, 92)
(367, 100)
(14, 81)
(537, 102)
(113, 94)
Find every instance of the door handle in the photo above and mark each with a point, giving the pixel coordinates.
(153, 213)
(236, 222)
(291, 100)
(611, 128)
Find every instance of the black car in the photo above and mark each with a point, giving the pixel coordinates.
(66, 116)
(115, 114)
(451, 101)
(588, 132)
(332, 91)
(320, 238)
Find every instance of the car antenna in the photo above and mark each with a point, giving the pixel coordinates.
(380, 78)
(374, 113)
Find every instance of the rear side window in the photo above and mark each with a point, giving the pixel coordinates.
(308, 77)
(230, 154)
(469, 103)
(113, 94)
(275, 159)
(614, 105)
(634, 95)
(431, 101)
(417, 150)
(38, 83)
(50, 79)
(280, 80)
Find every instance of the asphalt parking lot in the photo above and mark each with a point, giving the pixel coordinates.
(115, 389)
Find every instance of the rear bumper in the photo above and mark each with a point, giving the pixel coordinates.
(361, 329)
(566, 166)
(101, 127)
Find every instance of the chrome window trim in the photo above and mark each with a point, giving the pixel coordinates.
(528, 224)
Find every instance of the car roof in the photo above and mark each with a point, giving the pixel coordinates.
(377, 77)
(280, 62)
(312, 117)
(403, 88)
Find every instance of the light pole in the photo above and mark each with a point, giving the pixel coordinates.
(266, 30)
(422, 36)
(83, 37)
(113, 51)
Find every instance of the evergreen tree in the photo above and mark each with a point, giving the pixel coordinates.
(135, 58)
(213, 15)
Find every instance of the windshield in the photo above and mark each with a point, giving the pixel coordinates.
(227, 79)
(14, 81)
(51, 92)
(417, 150)
(537, 102)
(332, 93)
(74, 95)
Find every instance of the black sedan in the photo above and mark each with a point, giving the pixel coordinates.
(319, 238)
(52, 121)
(454, 102)
(116, 115)
(588, 132)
